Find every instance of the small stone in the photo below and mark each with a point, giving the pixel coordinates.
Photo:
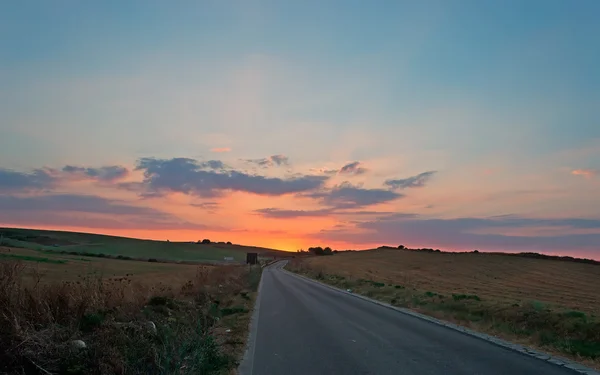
(227, 330)
(78, 344)
(151, 327)
(349, 290)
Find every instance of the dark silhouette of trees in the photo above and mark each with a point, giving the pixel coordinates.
(321, 251)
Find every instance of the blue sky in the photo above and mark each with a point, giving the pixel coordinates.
(499, 100)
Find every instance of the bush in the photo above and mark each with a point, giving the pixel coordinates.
(459, 297)
(161, 301)
(89, 322)
(152, 260)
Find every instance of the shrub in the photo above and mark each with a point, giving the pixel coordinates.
(89, 322)
(459, 297)
(161, 301)
(152, 260)
(575, 314)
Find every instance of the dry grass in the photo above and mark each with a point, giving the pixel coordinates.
(502, 278)
(39, 319)
(552, 305)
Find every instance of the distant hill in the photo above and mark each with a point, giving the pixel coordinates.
(62, 241)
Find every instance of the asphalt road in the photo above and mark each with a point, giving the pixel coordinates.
(303, 328)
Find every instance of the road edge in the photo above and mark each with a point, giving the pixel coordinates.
(246, 365)
(555, 360)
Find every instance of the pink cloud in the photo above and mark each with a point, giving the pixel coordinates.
(587, 173)
(221, 149)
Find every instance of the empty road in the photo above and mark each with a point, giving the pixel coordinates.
(304, 328)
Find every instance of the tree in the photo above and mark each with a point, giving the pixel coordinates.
(327, 251)
(401, 247)
(206, 241)
(316, 250)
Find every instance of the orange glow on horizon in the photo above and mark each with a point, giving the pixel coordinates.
(279, 241)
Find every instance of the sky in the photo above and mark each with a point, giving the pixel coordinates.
(457, 125)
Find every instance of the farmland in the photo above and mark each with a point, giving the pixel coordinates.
(56, 241)
(50, 297)
(544, 303)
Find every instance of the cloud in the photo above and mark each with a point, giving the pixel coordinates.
(271, 161)
(102, 174)
(494, 233)
(353, 168)
(587, 173)
(85, 211)
(411, 182)
(221, 149)
(71, 203)
(289, 214)
(212, 164)
(346, 195)
(206, 205)
(48, 178)
(39, 179)
(324, 171)
(201, 179)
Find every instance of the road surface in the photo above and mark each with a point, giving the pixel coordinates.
(304, 328)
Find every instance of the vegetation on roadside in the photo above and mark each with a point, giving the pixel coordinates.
(569, 332)
(124, 327)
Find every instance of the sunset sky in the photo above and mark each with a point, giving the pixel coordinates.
(454, 124)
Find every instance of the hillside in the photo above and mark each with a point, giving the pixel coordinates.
(59, 241)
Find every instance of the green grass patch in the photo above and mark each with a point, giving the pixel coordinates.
(459, 297)
(32, 258)
(233, 310)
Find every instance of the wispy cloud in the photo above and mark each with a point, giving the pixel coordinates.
(271, 161)
(324, 171)
(353, 168)
(85, 211)
(289, 214)
(411, 182)
(587, 173)
(103, 174)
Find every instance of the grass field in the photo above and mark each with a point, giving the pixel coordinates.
(49, 299)
(57, 241)
(56, 267)
(550, 304)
